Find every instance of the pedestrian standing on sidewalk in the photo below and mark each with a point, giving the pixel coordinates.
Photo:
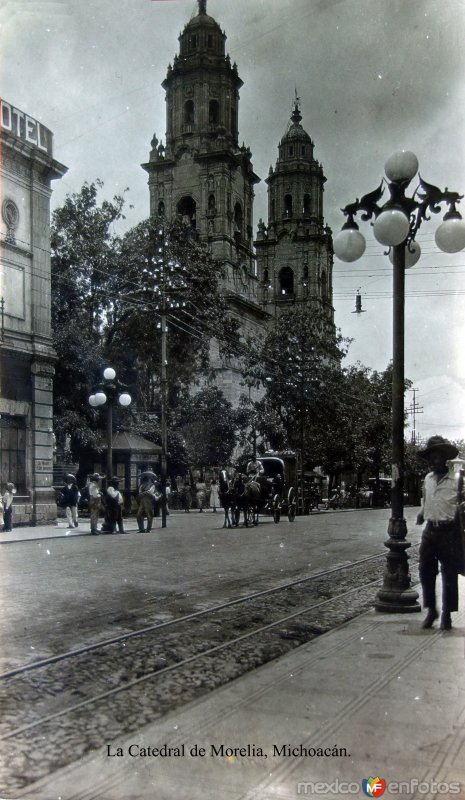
(7, 500)
(214, 496)
(441, 541)
(200, 493)
(95, 500)
(69, 499)
(187, 497)
(114, 504)
(149, 498)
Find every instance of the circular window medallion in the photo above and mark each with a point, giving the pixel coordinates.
(10, 214)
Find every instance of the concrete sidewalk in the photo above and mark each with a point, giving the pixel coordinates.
(378, 697)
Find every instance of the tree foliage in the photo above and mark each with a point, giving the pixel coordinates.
(299, 366)
(84, 259)
(209, 428)
(165, 267)
(106, 309)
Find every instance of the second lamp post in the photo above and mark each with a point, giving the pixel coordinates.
(110, 391)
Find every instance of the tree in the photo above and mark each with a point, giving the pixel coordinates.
(299, 364)
(106, 309)
(84, 257)
(164, 266)
(209, 428)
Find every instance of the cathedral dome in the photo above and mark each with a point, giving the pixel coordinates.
(202, 35)
(295, 130)
(204, 21)
(296, 144)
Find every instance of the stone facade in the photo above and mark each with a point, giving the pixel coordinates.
(205, 176)
(26, 353)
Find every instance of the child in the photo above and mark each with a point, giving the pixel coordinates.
(8, 506)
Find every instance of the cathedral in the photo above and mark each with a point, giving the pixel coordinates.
(202, 174)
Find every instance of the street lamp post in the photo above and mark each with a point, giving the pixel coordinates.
(110, 391)
(396, 225)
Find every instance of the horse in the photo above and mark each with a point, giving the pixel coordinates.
(227, 498)
(247, 498)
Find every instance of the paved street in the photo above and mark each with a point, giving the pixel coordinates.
(59, 593)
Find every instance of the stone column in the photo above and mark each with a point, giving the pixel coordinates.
(43, 495)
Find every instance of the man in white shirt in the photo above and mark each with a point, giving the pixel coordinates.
(440, 541)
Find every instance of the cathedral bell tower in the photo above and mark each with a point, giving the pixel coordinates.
(294, 251)
(204, 176)
(201, 173)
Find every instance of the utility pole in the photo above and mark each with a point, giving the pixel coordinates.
(413, 410)
(163, 386)
(162, 275)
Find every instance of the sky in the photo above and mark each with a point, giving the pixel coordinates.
(373, 77)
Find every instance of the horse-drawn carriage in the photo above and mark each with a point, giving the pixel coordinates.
(269, 489)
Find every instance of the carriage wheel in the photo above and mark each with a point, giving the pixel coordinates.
(291, 505)
(276, 508)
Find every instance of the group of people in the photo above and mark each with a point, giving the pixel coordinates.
(200, 492)
(109, 501)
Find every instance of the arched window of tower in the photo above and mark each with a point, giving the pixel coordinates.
(214, 112)
(189, 112)
(288, 205)
(238, 218)
(211, 203)
(187, 210)
(286, 281)
(306, 204)
(161, 209)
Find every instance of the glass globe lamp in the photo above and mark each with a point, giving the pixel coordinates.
(450, 236)
(109, 374)
(349, 244)
(391, 227)
(412, 254)
(93, 401)
(401, 166)
(125, 399)
(100, 398)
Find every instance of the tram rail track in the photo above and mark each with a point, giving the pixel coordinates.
(185, 618)
(97, 693)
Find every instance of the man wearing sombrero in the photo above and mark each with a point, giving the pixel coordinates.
(441, 540)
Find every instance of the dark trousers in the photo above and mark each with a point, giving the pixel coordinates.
(7, 519)
(94, 510)
(145, 512)
(439, 546)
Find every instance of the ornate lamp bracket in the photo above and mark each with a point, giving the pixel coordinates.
(368, 204)
(429, 199)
